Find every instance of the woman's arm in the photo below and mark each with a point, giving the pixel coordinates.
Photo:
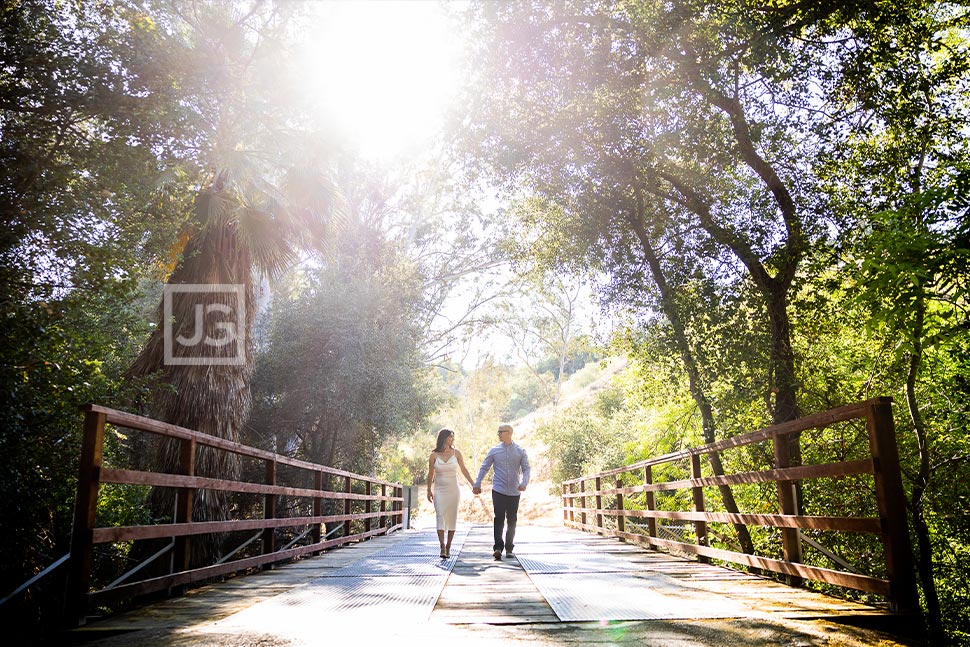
(461, 464)
(430, 477)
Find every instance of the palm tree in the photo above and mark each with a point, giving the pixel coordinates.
(251, 218)
(241, 232)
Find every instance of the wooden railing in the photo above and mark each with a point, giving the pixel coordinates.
(882, 462)
(372, 505)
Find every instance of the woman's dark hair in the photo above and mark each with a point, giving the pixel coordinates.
(442, 437)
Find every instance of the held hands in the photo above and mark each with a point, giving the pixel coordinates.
(476, 490)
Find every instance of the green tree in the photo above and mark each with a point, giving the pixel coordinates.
(707, 149)
(899, 185)
(266, 193)
(90, 134)
(341, 369)
(647, 131)
(634, 120)
(543, 320)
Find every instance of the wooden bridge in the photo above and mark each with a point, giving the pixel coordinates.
(564, 586)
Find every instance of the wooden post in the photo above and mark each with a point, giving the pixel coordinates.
(651, 503)
(572, 505)
(184, 502)
(620, 517)
(85, 516)
(890, 497)
(384, 506)
(582, 503)
(565, 509)
(269, 509)
(599, 507)
(347, 531)
(700, 527)
(367, 507)
(316, 535)
(791, 544)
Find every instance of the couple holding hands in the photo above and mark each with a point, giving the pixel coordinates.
(511, 477)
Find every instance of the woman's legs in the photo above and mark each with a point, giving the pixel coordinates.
(451, 535)
(441, 540)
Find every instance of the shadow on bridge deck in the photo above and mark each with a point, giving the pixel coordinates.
(563, 587)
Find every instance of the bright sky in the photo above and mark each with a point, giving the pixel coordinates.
(382, 71)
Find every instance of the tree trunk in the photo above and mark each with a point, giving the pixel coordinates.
(924, 561)
(693, 373)
(773, 288)
(783, 382)
(204, 394)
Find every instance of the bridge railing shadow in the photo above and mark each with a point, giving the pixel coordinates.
(354, 507)
(618, 501)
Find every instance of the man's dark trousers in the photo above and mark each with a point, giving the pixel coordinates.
(506, 508)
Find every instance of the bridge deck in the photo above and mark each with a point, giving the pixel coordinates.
(563, 587)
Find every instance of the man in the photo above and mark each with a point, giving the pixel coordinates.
(509, 481)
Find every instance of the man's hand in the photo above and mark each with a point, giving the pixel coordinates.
(476, 490)
(521, 488)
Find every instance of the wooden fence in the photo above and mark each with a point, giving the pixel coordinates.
(899, 585)
(374, 506)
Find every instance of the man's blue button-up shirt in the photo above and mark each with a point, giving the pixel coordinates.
(511, 464)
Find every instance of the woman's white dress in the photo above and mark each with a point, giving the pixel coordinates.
(446, 493)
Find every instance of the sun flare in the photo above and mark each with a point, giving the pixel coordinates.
(381, 72)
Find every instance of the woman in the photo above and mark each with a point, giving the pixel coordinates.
(443, 466)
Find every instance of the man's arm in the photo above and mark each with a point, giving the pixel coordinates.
(526, 470)
(486, 464)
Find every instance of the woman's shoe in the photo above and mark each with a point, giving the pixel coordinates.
(444, 554)
(447, 552)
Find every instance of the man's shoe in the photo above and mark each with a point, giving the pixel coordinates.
(497, 555)
(509, 554)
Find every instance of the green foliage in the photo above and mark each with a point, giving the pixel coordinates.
(58, 356)
(90, 115)
(477, 410)
(340, 370)
(404, 458)
(581, 440)
(526, 393)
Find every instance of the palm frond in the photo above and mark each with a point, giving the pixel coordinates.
(269, 235)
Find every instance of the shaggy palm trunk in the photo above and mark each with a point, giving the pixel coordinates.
(207, 395)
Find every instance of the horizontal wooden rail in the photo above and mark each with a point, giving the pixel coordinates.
(130, 533)
(844, 524)
(899, 587)
(816, 421)
(370, 506)
(132, 421)
(131, 477)
(849, 580)
(767, 476)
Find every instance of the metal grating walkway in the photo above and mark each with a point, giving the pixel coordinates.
(595, 579)
(398, 583)
(602, 596)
